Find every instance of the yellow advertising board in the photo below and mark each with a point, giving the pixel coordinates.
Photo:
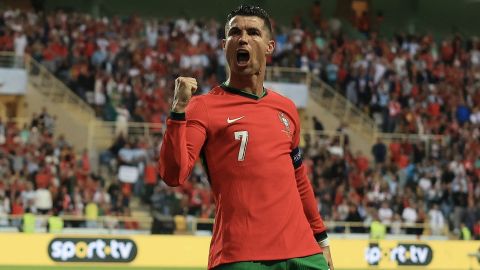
(389, 254)
(192, 251)
(138, 250)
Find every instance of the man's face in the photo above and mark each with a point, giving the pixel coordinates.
(247, 44)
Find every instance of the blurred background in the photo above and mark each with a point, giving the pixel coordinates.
(388, 92)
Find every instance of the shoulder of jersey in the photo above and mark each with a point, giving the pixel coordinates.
(280, 98)
(274, 94)
(216, 91)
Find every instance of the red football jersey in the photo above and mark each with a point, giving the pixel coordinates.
(265, 207)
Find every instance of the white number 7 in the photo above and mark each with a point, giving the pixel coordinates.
(243, 136)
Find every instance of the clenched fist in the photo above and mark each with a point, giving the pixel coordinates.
(184, 88)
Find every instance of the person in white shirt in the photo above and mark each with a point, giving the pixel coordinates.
(20, 43)
(385, 214)
(475, 116)
(436, 220)
(101, 197)
(151, 31)
(121, 123)
(396, 227)
(425, 184)
(410, 216)
(43, 201)
(4, 210)
(28, 197)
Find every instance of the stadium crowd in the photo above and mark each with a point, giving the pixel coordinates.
(125, 68)
(117, 64)
(44, 175)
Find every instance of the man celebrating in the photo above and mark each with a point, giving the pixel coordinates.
(266, 215)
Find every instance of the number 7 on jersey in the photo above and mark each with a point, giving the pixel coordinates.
(243, 137)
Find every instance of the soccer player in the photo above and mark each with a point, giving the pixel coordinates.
(266, 214)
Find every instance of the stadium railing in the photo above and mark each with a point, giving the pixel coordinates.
(345, 227)
(134, 129)
(10, 60)
(189, 225)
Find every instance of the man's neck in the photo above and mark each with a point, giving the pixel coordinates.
(252, 84)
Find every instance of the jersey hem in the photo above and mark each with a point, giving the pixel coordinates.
(211, 267)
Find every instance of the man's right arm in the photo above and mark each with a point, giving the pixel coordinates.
(184, 136)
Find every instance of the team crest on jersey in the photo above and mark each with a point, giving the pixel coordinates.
(286, 123)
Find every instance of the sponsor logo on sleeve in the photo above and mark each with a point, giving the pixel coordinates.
(109, 250)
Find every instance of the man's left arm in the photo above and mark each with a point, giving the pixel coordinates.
(308, 197)
(310, 209)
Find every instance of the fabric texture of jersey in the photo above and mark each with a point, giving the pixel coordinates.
(246, 144)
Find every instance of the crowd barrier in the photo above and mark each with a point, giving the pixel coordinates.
(192, 251)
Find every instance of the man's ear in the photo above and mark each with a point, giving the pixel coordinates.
(270, 46)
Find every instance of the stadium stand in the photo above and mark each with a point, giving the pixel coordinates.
(44, 175)
(125, 70)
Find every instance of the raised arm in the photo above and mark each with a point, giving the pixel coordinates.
(185, 134)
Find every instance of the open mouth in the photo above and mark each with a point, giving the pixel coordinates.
(242, 57)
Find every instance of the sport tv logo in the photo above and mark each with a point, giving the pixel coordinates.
(111, 250)
(402, 254)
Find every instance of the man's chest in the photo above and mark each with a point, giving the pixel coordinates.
(244, 131)
(262, 120)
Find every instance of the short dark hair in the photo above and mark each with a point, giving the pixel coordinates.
(249, 10)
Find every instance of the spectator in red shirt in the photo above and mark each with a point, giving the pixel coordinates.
(316, 13)
(17, 207)
(43, 178)
(363, 23)
(402, 161)
(395, 150)
(150, 180)
(476, 230)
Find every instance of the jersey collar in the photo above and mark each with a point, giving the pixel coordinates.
(242, 92)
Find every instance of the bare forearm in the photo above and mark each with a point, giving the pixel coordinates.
(328, 256)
